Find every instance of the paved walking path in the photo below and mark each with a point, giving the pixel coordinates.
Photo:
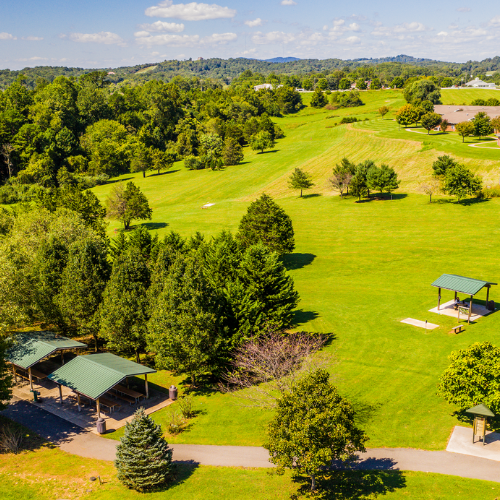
(73, 439)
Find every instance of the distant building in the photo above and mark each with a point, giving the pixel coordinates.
(111, 73)
(200, 59)
(263, 86)
(457, 114)
(479, 83)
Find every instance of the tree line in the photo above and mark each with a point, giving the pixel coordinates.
(83, 131)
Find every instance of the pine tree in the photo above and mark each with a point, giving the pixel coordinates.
(300, 180)
(83, 282)
(266, 222)
(5, 378)
(124, 308)
(143, 458)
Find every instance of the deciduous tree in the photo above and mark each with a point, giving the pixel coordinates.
(459, 181)
(261, 141)
(300, 180)
(465, 129)
(430, 121)
(127, 203)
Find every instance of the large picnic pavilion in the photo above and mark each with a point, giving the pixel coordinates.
(32, 348)
(467, 286)
(93, 376)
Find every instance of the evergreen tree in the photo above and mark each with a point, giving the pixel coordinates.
(262, 140)
(232, 153)
(143, 457)
(318, 99)
(83, 282)
(266, 222)
(263, 293)
(5, 378)
(184, 325)
(389, 179)
(300, 180)
(124, 307)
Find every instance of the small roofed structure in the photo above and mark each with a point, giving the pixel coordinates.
(454, 114)
(477, 83)
(30, 348)
(94, 375)
(461, 284)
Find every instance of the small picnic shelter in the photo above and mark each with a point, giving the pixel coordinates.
(93, 376)
(31, 348)
(461, 284)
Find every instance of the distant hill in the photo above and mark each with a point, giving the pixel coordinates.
(282, 59)
(400, 59)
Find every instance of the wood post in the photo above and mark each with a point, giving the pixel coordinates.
(126, 380)
(60, 393)
(62, 357)
(31, 378)
(98, 404)
(470, 309)
(78, 401)
(15, 374)
(439, 297)
(455, 296)
(146, 384)
(487, 295)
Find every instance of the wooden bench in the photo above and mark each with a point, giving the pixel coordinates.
(109, 403)
(457, 329)
(128, 394)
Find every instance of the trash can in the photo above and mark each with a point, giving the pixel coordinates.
(101, 426)
(491, 305)
(35, 395)
(172, 392)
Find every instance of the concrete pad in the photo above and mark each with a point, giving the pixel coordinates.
(447, 309)
(421, 324)
(461, 442)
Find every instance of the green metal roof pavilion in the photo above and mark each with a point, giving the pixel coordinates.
(95, 374)
(461, 284)
(32, 347)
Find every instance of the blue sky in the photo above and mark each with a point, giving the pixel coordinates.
(111, 33)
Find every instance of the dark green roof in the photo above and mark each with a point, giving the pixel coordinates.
(482, 410)
(460, 284)
(31, 347)
(95, 374)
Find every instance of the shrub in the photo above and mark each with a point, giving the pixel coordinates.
(346, 99)
(11, 438)
(193, 163)
(491, 192)
(348, 119)
(186, 406)
(175, 424)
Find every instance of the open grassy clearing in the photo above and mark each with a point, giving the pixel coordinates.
(466, 96)
(45, 474)
(359, 268)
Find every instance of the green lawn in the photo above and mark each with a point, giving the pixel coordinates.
(47, 474)
(359, 268)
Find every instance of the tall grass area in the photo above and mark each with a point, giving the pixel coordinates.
(360, 268)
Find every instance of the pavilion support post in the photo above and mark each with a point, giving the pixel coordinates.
(456, 296)
(62, 357)
(470, 309)
(60, 393)
(31, 378)
(15, 374)
(439, 297)
(487, 295)
(98, 404)
(146, 385)
(78, 401)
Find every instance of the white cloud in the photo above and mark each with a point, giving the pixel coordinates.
(442, 33)
(185, 40)
(248, 52)
(351, 40)
(255, 22)
(190, 11)
(409, 28)
(400, 30)
(140, 34)
(105, 37)
(495, 21)
(273, 37)
(162, 26)
(7, 36)
(33, 38)
(288, 2)
(354, 27)
(463, 9)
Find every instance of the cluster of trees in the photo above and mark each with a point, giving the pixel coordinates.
(81, 131)
(362, 178)
(191, 302)
(346, 99)
(453, 178)
(480, 126)
(488, 102)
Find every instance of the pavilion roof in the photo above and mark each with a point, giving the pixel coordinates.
(31, 347)
(482, 410)
(455, 283)
(95, 374)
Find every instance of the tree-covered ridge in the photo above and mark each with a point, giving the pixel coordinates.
(225, 70)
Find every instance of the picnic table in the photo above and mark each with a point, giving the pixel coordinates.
(109, 403)
(128, 392)
(38, 374)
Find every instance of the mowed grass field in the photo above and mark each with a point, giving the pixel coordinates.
(47, 474)
(360, 268)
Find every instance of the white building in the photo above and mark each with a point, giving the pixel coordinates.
(479, 83)
(263, 86)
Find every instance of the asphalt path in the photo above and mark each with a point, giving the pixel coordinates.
(73, 439)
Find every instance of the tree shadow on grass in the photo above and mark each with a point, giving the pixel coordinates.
(114, 181)
(359, 484)
(154, 225)
(301, 317)
(270, 151)
(466, 202)
(182, 470)
(298, 260)
(165, 173)
(312, 195)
